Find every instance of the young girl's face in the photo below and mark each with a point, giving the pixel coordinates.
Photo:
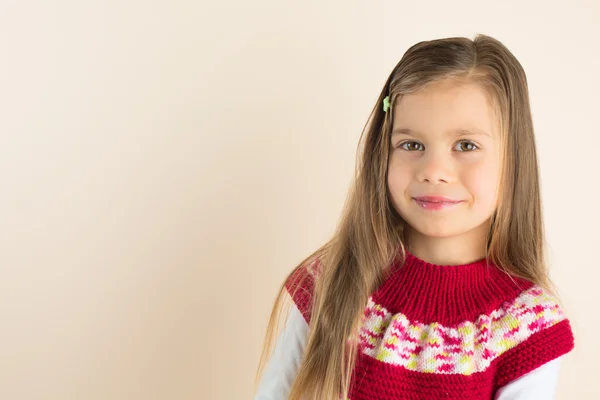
(445, 143)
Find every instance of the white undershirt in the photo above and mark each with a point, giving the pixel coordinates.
(280, 371)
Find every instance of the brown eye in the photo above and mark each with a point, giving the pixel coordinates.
(467, 146)
(403, 145)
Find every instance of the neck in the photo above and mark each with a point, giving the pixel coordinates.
(453, 250)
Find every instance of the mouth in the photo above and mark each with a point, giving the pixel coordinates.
(435, 202)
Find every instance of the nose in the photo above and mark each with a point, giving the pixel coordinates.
(434, 168)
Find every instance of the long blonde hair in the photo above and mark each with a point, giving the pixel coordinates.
(353, 263)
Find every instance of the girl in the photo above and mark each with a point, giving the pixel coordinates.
(434, 284)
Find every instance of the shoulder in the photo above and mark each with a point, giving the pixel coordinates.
(530, 330)
(301, 283)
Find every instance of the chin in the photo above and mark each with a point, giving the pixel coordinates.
(438, 229)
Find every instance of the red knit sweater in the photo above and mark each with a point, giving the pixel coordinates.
(448, 332)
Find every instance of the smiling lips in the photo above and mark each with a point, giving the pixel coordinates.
(435, 202)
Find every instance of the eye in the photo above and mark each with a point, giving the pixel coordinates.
(402, 145)
(470, 146)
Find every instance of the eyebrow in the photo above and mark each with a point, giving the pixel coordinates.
(455, 132)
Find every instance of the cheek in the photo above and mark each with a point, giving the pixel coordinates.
(482, 182)
(398, 180)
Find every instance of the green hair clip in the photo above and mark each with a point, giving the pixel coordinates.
(386, 103)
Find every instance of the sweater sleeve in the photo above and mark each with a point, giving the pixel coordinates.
(282, 368)
(539, 384)
(531, 332)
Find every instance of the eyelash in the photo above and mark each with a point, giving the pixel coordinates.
(462, 141)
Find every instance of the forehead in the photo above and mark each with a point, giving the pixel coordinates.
(444, 107)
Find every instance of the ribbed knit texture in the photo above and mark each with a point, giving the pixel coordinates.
(448, 332)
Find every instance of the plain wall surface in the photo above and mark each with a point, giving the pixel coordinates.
(164, 164)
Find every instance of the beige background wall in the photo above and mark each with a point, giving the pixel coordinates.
(163, 164)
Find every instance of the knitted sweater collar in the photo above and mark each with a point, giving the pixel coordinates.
(447, 294)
